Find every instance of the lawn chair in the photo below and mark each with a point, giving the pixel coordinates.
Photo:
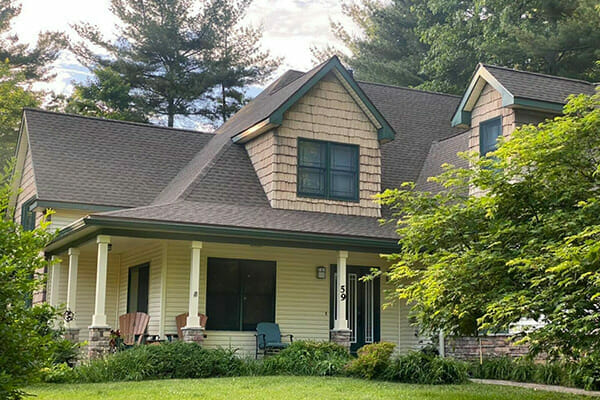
(268, 338)
(181, 321)
(132, 327)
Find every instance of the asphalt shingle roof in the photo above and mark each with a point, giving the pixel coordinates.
(97, 161)
(530, 85)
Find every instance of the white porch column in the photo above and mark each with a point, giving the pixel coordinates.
(99, 318)
(193, 321)
(341, 320)
(54, 281)
(72, 284)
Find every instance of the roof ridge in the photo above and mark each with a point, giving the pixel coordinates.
(278, 87)
(410, 89)
(141, 124)
(538, 74)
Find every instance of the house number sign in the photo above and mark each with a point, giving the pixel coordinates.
(343, 292)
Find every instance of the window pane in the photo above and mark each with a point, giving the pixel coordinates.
(311, 181)
(258, 280)
(489, 131)
(223, 294)
(311, 154)
(343, 184)
(343, 157)
(138, 288)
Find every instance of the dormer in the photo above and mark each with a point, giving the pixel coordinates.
(314, 141)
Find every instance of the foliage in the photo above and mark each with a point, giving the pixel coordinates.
(526, 247)
(108, 95)
(372, 360)
(177, 55)
(26, 332)
(307, 358)
(584, 374)
(436, 44)
(13, 97)
(422, 368)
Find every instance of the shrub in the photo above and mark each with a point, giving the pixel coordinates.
(307, 358)
(373, 360)
(419, 367)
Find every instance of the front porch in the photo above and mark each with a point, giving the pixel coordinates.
(100, 279)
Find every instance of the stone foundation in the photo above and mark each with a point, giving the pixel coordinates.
(341, 337)
(72, 335)
(193, 335)
(472, 348)
(99, 343)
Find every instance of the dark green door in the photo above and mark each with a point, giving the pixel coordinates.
(138, 288)
(362, 304)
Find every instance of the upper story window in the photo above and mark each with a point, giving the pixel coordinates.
(489, 132)
(327, 170)
(28, 216)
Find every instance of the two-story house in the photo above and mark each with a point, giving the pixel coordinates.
(270, 218)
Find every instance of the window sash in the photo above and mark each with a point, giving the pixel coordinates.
(328, 170)
(489, 132)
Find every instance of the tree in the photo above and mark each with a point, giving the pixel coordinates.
(106, 96)
(34, 62)
(167, 51)
(13, 97)
(26, 331)
(436, 44)
(528, 247)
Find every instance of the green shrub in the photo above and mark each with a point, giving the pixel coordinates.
(168, 360)
(373, 360)
(306, 358)
(419, 367)
(58, 373)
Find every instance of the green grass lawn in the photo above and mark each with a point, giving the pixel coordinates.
(283, 387)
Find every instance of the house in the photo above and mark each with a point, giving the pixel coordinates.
(270, 218)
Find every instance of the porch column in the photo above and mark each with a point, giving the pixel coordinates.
(72, 329)
(340, 333)
(54, 281)
(99, 330)
(193, 332)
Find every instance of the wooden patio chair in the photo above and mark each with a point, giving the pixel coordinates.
(132, 327)
(268, 338)
(181, 321)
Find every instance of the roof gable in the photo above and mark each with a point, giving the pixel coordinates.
(519, 89)
(266, 110)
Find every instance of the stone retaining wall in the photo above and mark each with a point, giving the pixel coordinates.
(471, 348)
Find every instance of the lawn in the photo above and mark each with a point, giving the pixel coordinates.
(283, 387)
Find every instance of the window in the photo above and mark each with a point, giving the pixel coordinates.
(137, 288)
(327, 170)
(489, 131)
(28, 216)
(239, 294)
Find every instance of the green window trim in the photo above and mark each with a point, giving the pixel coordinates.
(27, 215)
(327, 170)
(486, 128)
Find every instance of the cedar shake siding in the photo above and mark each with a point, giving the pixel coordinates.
(327, 112)
(27, 187)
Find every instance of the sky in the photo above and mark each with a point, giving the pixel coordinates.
(290, 27)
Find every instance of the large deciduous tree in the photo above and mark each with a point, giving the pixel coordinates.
(528, 246)
(179, 57)
(436, 44)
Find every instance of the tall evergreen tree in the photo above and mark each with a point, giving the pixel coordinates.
(167, 51)
(33, 61)
(440, 41)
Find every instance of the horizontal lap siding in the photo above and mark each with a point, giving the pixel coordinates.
(62, 218)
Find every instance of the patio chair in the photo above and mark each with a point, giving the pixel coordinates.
(132, 327)
(268, 338)
(181, 321)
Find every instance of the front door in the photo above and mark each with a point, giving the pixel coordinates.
(362, 305)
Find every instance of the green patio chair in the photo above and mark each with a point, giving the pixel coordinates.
(268, 338)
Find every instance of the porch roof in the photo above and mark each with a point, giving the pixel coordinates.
(186, 220)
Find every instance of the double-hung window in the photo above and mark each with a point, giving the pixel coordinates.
(239, 294)
(489, 132)
(27, 216)
(327, 170)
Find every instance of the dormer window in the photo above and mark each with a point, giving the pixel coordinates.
(489, 132)
(327, 170)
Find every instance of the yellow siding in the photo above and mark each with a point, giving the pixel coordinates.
(62, 218)
(327, 112)
(27, 185)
